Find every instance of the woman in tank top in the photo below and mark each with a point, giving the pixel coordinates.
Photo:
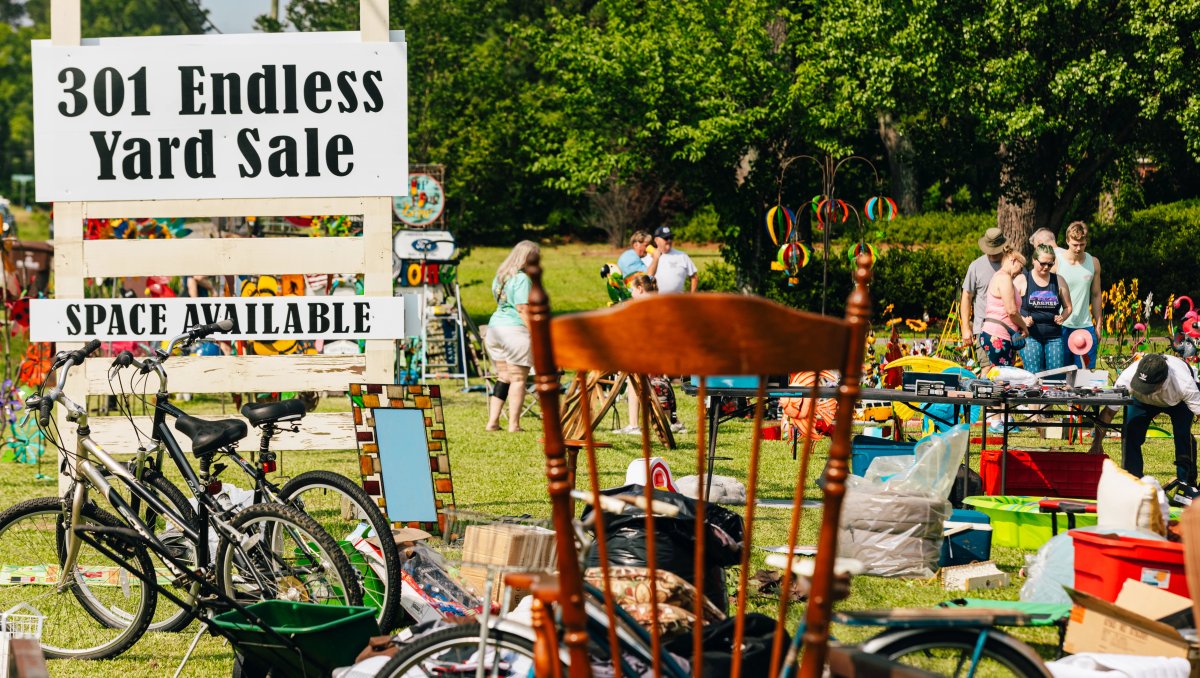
(1002, 321)
(1045, 304)
(1081, 272)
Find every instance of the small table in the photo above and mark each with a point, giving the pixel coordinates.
(961, 405)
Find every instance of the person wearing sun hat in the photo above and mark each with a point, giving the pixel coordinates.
(1159, 384)
(972, 308)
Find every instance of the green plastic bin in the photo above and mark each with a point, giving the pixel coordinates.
(1017, 521)
(329, 635)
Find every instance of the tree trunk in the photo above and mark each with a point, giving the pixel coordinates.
(1019, 211)
(900, 156)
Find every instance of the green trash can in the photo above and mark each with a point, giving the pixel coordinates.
(372, 585)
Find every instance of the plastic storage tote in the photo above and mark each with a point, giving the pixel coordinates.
(330, 635)
(1104, 561)
(865, 449)
(1051, 474)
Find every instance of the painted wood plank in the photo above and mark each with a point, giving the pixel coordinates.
(233, 207)
(223, 256)
(318, 431)
(373, 20)
(65, 24)
(68, 250)
(242, 374)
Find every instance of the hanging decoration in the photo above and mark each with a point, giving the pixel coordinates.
(780, 221)
(792, 257)
(862, 247)
(880, 208)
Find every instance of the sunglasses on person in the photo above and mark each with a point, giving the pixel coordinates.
(1045, 263)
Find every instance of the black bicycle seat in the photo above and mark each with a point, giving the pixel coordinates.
(210, 435)
(272, 413)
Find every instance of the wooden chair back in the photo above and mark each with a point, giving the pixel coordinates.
(704, 335)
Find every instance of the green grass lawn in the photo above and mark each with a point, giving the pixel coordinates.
(503, 474)
(572, 275)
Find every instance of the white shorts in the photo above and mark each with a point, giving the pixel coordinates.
(510, 345)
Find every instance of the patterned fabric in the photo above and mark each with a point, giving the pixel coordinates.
(676, 598)
(999, 349)
(1040, 356)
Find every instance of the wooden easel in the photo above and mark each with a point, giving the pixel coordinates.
(572, 415)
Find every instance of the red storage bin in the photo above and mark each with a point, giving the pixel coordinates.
(1104, 561)
(1046, 474)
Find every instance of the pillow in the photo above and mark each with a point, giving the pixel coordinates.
(1124, 501)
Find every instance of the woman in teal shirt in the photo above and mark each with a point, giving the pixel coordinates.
(507, 340)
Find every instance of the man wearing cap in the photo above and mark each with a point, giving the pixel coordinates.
(674, 268)
(971, 309)
(1159, 384)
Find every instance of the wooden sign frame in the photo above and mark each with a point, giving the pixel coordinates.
(76, 259)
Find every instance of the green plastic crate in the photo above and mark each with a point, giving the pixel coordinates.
(329, 635)
(1017, 522)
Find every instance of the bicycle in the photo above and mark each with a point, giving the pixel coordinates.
(97, 607)
(319, 494)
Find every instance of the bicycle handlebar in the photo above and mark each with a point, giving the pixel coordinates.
(79, 355)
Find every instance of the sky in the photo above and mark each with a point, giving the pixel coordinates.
(237, 16)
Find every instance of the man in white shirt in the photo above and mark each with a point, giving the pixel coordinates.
(670, 267)
(1159, 384)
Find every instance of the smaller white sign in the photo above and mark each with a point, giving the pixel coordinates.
(256, 318)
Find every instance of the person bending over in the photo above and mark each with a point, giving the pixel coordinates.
(1159, 384)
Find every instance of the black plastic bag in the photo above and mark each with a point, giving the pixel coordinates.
(674, 540)
(718, 646)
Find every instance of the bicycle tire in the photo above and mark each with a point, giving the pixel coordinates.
(267, 570)
(916, 647)
(170, 618)
(294, 493)
(33, 532)
(453, 646)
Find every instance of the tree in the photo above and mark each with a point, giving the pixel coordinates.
(100, 18)
(471, 107)
(1060, 90)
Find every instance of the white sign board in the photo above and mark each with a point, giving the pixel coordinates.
(259, 116)
(256, 318)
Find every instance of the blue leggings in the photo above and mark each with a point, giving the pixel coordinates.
(1040, 355)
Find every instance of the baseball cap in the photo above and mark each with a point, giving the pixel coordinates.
(993, 241)
(1150, 372)
(664, 232)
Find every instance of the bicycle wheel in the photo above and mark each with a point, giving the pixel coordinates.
(948, 652)
(455, 652)
(119, 607)
(326, 496)
(168, 618)
(284, 555)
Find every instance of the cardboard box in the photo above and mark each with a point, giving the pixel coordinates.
(509, 545)
(1132, 625)
(475, 580)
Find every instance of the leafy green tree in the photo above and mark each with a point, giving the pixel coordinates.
(100, 18)
(471, 108)
(1061, 91)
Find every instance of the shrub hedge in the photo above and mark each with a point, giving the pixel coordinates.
(1154, 245)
